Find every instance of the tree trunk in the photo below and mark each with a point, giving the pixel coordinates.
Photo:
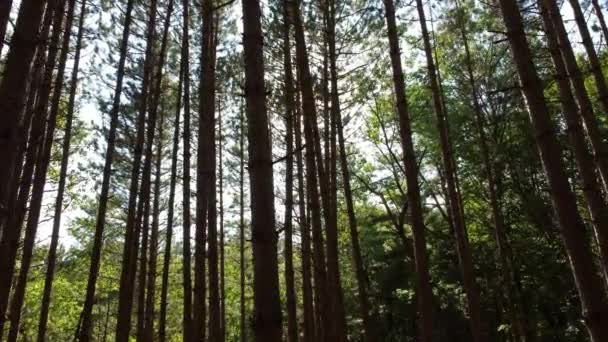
(310, 114)
(513, 297)
(142, 271)
(13, 92)
(599, 148)
(292, 323)
(460, 233)
(188, 332)
(84, 331)
(572, 230)
(5, 13)
(242, 319)
(267, 312)
(594, 60)
(52, 256)
(596, 205)
(307, 292)
(333, 266)
(129, 262)
(162, 321)
(151, 285)
(222, 240)
(19, 195)
(600, 17)
(42, 159)
(424, 293)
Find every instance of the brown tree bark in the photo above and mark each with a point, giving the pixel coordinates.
(594, 60)
(162, 320)
(292, 323)
(187, 258)
(307, 289)
(423, 286)
(13, 92)
(512, 295)
(151, 281)
(205, 186)
(572, 229)
(333, 266)
(600, 17)
(84, 330)
(52, 256)
(19, 195)
(142, 270)
(460, 230)
(222, 239)
(322, 303)
(130, 249)
(242, 326)
(577, 79)
(42, 159)
(267, 306)
(592, 192)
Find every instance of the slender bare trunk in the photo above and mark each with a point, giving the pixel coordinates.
(186, 269)
(5, 12)
(589, 285)
(127, 275)
(594, 60)
(599, 147)
(600, 17)
(513, 297)
(151, 281)
(19, 195)
(310, 114)
(162, 321)
(84, 331)
(423, 286)
(460, 230)
(13, 92)
(267, 306)
(52, 256)
(42, 159)
(292, 324)
(242, 319)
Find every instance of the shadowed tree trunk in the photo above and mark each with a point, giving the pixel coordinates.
(162, 321)
(572, 229)
(424, 293)
(151, 285)
(307, 291)
(322, 304)
(292, 323)
(600, 17)
(596, 205)
(449, 166)
(267, 306)
(599, 148)
(242, 319)
(5, 12)
(19, 195)
(594, 60)
(222, 240)
(52, 256)
(42, 159)
(13, 92)
(84, 330)
(512, 295)
(127, 276)
(333, 266)
(186, 269)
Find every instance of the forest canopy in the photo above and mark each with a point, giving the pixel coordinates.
(303, 170)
